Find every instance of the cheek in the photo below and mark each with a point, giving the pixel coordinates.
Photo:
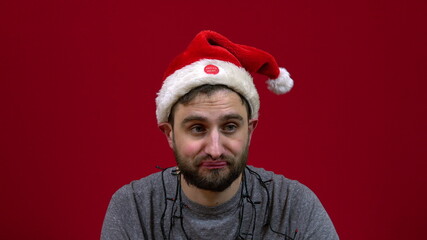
(189, 148)
(237, 147)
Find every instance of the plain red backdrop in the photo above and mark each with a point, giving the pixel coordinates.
(79, 78)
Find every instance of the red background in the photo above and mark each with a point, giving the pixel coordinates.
(79, 78)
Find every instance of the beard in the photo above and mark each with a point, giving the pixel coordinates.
(216, 180)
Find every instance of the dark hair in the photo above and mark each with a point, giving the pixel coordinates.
(208, 90)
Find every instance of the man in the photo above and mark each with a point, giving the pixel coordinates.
(208, 109)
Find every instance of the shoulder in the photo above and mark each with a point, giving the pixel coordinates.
(297, 205)
(295, 193)
(134, 206)
(145, 187)
(279, 182)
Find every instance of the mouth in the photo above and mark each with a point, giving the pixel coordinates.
(213, 164)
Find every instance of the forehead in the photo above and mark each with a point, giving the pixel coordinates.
(212, 106)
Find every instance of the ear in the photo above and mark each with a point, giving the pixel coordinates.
(251, 126)
(166, 128)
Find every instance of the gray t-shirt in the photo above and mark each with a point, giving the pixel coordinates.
(267, 206)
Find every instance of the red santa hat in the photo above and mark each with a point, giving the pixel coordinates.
(213, 59)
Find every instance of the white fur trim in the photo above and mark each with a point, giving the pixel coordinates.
(183, 80)
(282, 84)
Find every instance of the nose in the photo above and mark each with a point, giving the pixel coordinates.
(214, 146)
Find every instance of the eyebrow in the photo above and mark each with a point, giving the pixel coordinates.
(227, 117)
(232, 116)
(192, 118)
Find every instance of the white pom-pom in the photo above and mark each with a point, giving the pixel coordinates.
(282, 84)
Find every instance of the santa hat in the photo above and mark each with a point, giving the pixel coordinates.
(213, 59)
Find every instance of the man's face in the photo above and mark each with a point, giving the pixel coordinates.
(210, 138)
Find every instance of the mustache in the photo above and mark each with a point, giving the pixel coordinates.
(228, 159)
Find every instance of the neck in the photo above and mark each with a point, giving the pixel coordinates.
(210, 198)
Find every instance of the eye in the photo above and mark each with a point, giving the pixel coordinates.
(197, 129)
(230, 128)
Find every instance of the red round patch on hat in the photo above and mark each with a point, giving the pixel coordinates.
(211, 69)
